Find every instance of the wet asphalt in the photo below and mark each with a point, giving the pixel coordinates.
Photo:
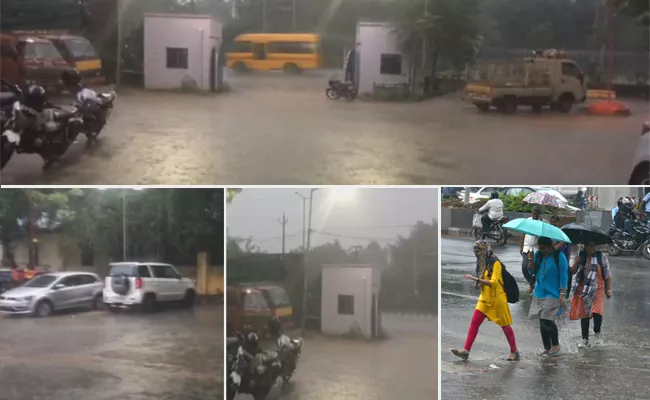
(403, 366)
(278, 129)
(172, 354)
(617, 368)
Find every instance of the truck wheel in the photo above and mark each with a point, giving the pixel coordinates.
(565, 103)
(510, 105)
(483, 107)
(537, 108)
(499, 104)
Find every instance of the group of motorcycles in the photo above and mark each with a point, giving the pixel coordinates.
(30, 124)
(250, 370)
(636, 242)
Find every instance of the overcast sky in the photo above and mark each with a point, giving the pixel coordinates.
(354, 216)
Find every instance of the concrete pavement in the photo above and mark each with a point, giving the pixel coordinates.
(616, 368)
(405, 366)
(170, 355)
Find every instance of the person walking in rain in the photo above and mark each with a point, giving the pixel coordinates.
(527, 247)
(565, 248)
(492, 303)
(593, 281)
(550, 269)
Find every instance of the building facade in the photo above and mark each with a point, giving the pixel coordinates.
(350, 300)
(182, 51)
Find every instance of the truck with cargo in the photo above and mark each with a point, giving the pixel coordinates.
(548, 78)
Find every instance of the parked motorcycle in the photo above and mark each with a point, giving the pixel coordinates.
(288, 350)
(496, 232)
(338, 89)
(95, 109)
(635, 243)
(253, 371)
(38, 127)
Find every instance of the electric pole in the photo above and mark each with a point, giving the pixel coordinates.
(304, 278)
(415, 271)
(304, 218)
(124, 239)
(118, 67)
(283, 221)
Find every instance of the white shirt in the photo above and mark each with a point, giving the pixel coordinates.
(494, 208)
(530, 242)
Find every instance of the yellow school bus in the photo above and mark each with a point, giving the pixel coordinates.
(291, 52)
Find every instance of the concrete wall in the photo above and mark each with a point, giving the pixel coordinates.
(373, 40)
(360, 282)
(199, 34)
(54, 252)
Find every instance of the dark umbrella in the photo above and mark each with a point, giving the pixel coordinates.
(581, 234)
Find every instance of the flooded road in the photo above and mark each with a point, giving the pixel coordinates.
(278, 129)
(170, 355)
(403, 366)
(617, 368)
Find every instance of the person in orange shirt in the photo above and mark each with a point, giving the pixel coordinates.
(30, 272)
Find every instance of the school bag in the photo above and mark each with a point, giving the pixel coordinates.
(509, 285)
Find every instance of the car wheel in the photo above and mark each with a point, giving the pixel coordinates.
(43, 309)
(510, 105)
(641, 175)
(565, 103)
(291, 68)
(149, 304)
(483, 107)
(239, 68)
(188, 299)
(98, 302)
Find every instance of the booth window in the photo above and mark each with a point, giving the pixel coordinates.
(391, 64)
(346, 304)
(176, 58)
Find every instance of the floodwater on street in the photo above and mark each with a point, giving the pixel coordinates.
(278, 129)
(404, 366)
(617, 368)
(170, 355)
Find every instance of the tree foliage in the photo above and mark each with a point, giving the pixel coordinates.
(163, 224)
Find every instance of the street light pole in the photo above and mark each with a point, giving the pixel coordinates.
(124, 239)
(118, 68)
(306, 251)
(304, 217)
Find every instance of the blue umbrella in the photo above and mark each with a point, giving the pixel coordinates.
(537, 228)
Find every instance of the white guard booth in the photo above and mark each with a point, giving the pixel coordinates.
(182, 51)
(350, 300)
(379, 58)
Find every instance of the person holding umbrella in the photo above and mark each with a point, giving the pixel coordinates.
(492, 303)
(592, 284)
(551, 278)
(565, 248)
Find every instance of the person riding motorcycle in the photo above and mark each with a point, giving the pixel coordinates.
(625, 215)
(493, 210)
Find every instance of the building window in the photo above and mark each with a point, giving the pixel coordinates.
(391, 64)
(176, 58)
(346, 304)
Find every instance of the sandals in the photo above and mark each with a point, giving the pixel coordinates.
(554, 353)
(514, 356)
(542, 352)
(464, 354)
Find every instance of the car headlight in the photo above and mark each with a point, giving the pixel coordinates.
(28, 298)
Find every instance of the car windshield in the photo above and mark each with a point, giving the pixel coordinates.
(127, 270)
(279, 297)
(41, 50)
(80, 48)
(41, 281)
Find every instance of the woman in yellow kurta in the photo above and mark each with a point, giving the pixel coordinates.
(492, 303)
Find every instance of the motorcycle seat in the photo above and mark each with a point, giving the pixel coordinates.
(334, 82)
(60, 115)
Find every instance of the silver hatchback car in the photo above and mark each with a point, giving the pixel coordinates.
(46, 293)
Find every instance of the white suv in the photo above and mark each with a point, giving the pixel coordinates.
(145, 284)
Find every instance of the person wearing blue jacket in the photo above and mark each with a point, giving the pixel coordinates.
(551, 280)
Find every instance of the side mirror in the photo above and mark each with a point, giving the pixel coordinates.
(58, 286)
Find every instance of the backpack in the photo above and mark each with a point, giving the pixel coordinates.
(509, 285)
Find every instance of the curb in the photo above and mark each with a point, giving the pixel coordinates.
(458, 232)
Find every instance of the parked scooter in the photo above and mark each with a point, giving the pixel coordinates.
(338, 89)
(95, 108)
(288, 350)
